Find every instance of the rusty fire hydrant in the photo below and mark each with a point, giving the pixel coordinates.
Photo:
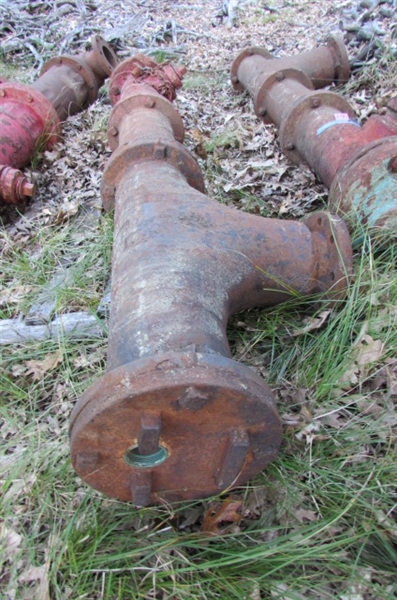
(174, 417)
(31, 116)
(319, 128)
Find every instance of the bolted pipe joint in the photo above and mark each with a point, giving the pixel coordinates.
(319, 128)
(175, 417)
(257, 71)
(71, 83)
(163, 78)
(30, 116)
(15, 185)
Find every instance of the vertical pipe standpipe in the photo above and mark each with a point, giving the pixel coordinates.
(175, 417)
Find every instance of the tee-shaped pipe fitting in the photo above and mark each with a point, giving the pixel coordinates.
(30, 116)
(318, 128)
(174, 417)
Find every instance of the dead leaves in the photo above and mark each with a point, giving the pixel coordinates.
(38, 368)
(312, 323)
(365, 352)
(221, 519)
(13, 295)
(10, 541)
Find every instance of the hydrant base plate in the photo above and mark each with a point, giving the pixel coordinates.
(174, 427)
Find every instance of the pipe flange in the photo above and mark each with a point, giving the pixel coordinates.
(104, 54)
(127, 68)
(253, 50)
(365, 188)
(163, 78)
(39, 104)
(334, 259)
(309, 103)
(342, 65)
(147, 99)
(14, 185)
(78, 65)
(206, 423)
(125, 156)
(278, 77)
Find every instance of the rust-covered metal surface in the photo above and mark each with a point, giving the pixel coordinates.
(319, 128)
(256, 70)
(174, 417)
(70, 83)
(162, 78)
(14, 184)
(30, 116)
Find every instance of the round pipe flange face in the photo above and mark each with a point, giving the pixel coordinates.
(174, 427)
(78, 65)
(333, 230)
(253, 50)
(104, 54)
(313, 99)
(128, 154)
(149, 101)
(365, 188)
(36, 102)
(342, 65)
(281, 77)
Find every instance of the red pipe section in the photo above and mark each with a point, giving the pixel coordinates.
(318, 128)
(175, 417)
(30, 116)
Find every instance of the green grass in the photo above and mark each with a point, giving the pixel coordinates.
(319, 519)
(227, 138)
(15, 72)
(56, 263)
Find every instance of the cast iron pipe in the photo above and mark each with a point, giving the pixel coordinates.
(318, 128)
(31, 116)
(174, 417)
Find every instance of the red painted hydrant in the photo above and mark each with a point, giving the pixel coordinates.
(31, 116)
(175, 417)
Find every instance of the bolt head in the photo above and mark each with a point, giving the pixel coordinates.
(280, 76)
(289, 146)
(234, 79)
(262, 111)
(315, 102)
(392, 165)
(113, 130)
(149, 102)
(2, 93)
